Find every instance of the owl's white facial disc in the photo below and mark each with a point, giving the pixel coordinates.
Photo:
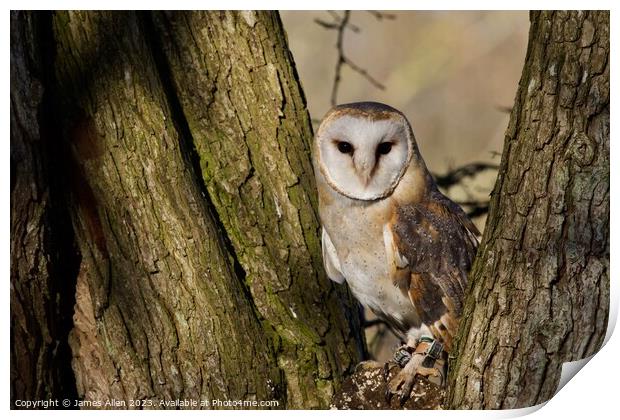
(364, 158)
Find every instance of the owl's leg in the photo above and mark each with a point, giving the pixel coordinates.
(401, 357)
(427, 359)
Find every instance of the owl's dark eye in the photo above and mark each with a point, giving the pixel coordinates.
(345, 147)
(384, 148)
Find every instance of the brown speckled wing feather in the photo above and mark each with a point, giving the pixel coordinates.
(438, 242)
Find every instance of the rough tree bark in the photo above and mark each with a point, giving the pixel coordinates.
(539, 288)
(183, 292)
(160, 312)
(42, 254)
(246, 115)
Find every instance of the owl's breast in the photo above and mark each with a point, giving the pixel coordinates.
(357, 235)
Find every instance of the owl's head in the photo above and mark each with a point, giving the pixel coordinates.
(363, 149)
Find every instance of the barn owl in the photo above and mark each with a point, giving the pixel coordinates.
(403, 247)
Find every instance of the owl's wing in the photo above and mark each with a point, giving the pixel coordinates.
(430, 248)
(330, 259)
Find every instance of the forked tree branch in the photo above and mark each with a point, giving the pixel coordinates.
(341, 24)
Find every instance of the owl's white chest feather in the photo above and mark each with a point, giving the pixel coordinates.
(357, 234)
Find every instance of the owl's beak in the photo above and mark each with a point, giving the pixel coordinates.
(365, 178)
(365, 169)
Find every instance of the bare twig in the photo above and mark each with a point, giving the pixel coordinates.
(381, 15)
(335, 25)
(334, 15)
(364, 73)
(341, 58)
(456, 175)
(478, 211)
(340, 24)
(378, 321)
(473, 203)
(326, 25)
(474, 208)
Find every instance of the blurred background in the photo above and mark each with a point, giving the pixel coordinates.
(453, 74)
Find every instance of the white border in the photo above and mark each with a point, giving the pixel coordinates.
(315, 5)
(592, 394)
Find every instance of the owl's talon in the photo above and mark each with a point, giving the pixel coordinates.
(388, 396)
(402, 383)
(427, 360)
(386, 371)
(405, 390)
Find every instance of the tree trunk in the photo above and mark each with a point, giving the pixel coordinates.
(42, 255)
(247, 117)
(539, 288)
(160, 312)
(192, 200)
